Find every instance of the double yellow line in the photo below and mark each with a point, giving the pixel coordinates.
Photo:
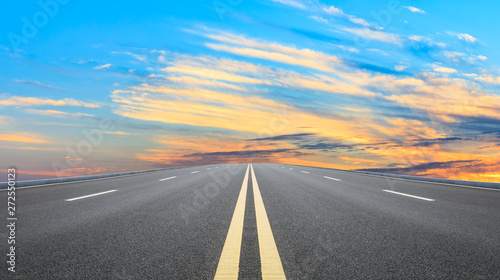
(229, 261)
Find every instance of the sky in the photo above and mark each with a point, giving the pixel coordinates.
(407, 87)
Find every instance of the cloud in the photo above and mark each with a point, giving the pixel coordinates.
(463, 36)
(453, 54)
(121, 133)
(273, 51)
(424, 167)
(359, 161)
(408, 120)
(335, 11)
(332, 10)
(445, 70)
(400, 67)
(35, 101)
(240, 154)
(378, 51)
(58, 114)
(23, 138)
(319, 19)
(417, 38)
(211, 74)
(327, 146)
(375, 35)
(200, 150)
(425, 40)
(208, 83)
(359, 21)
(319, 9)
(489, 79)
(40, 85)
(482, 57)
(283, 137)
(136, 56)
(349, 49)
(432, 95)
(104, 66)
(414, 10)
(24, 148)
(292, 3)
(195, 105)
(225, 74)
(274, 56)
(430, 142)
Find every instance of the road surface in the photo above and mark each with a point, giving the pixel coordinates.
(260, 221)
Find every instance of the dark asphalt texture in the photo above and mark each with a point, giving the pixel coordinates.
(323, 228)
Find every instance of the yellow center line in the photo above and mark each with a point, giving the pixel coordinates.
(269, 257)
(229, 262)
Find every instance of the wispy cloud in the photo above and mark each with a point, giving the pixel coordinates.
(417, 38)
(463, 36)
(414, 10)
(283, 137)
(104, 66)
(433, 96)
(204, 72)
(23, 137)
(319, 19)
(445, 70)
(39, 85)
(58, 114)
(318, 10)
(482, 57)
(378, 51)
(375, 35)
(292, 3)
(335, 11)
(489, 79)
(35, 101)
(244, 46)
(120, 133)
(453, 54)
(269, 48)
(134, 55)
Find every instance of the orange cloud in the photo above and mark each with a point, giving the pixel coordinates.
(58, 114)
(212, 74)
(23, 148)
(231, 95)
(434, 97)
(301, 54)
(23, 138)
(273, 56)
(207, 71)
(35, 101)
(364, 162)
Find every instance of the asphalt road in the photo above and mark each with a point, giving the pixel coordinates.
(286, 221)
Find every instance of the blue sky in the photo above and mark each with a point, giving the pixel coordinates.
(399, 86)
